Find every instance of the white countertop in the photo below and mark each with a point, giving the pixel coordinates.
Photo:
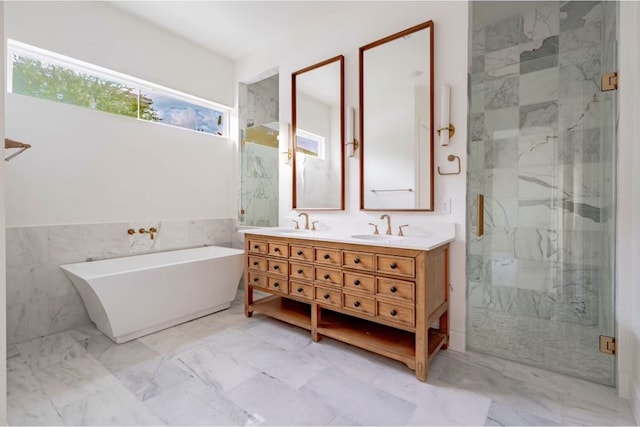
(424, 242)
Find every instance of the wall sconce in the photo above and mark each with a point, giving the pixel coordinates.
(351, 141)
(445, 98)
(287, 155)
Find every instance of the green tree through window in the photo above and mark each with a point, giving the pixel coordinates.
(47, 81)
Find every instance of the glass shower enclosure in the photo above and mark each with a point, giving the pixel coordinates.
(542, 156)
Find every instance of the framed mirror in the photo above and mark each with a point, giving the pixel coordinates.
(318, 136)
(396, 121)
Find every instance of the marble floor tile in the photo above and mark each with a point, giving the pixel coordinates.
(292, 369)
(281, 334)
(368, 405)
(73, 379)
(226, 369)
(152, 377)
(357, 363)
(501, 414)
(170, 342)
(216, 369)
(193, 403)
(50, 350)
(493, 384)
(437, 403)
(20, 379)
(233, 342)
(33, 409)
(113, 406)
(278, 404)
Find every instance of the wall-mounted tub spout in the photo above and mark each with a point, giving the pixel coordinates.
(152, 231)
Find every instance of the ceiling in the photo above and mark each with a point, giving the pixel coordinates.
(233, 29)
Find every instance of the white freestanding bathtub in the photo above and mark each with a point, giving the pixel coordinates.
(134, 296)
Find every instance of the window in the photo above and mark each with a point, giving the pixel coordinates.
(310, 143)
(46, 75)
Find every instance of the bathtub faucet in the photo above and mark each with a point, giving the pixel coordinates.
(152, 231)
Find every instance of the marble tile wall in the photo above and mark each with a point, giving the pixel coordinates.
(40, 298)
(258, 104)
(542, 152)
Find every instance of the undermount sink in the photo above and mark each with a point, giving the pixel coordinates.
(294, 231)
(376, 237)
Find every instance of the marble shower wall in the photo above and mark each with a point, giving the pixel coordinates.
(258, 104)
(542, 152)
(40, 298)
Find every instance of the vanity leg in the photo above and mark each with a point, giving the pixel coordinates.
(248, 299)
(421, 371)
(316, 315)
(444, 328)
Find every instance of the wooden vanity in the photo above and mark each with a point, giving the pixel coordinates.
(379, 298)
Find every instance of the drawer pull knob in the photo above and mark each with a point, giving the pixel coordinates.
(299, 253)
(300, 271)
(276, 285)
(276, 250)
(255, 263)
(393, 266)
(326, 256)
(275, 267)
(356, 261)
(326, 276)
(255, 279)
(326, 296)
(393, 313)
(299, 290)
(256, 246)
(393, 289)
(356, 304)
(356, 282)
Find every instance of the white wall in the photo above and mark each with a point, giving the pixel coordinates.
(3, 251)
(628, 248)
(89, 167)
(101, 34)
(359, 24)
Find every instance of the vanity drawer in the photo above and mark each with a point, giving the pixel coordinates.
(258, 263)
(258, 247)
(301, 253)
(328, 256)
(397, 289)
(278, 284)
(360, 282)
(257, 279)
(395, 312)
(358, 260)
(328, 296)
(278, 267)
(396, 265)
(301, 271)
(278, 249)
(359, 303)
(328, 276)
(302, 290)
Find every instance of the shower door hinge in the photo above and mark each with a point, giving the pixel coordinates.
(609, 82)
(607, 344)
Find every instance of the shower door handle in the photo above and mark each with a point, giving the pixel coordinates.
(480, 227)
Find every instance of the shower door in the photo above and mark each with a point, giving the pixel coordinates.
(542, 153)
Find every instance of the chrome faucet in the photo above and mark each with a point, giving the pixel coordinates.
(306, 219)
(389, 232)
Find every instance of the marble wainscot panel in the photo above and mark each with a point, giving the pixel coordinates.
(40, 298)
